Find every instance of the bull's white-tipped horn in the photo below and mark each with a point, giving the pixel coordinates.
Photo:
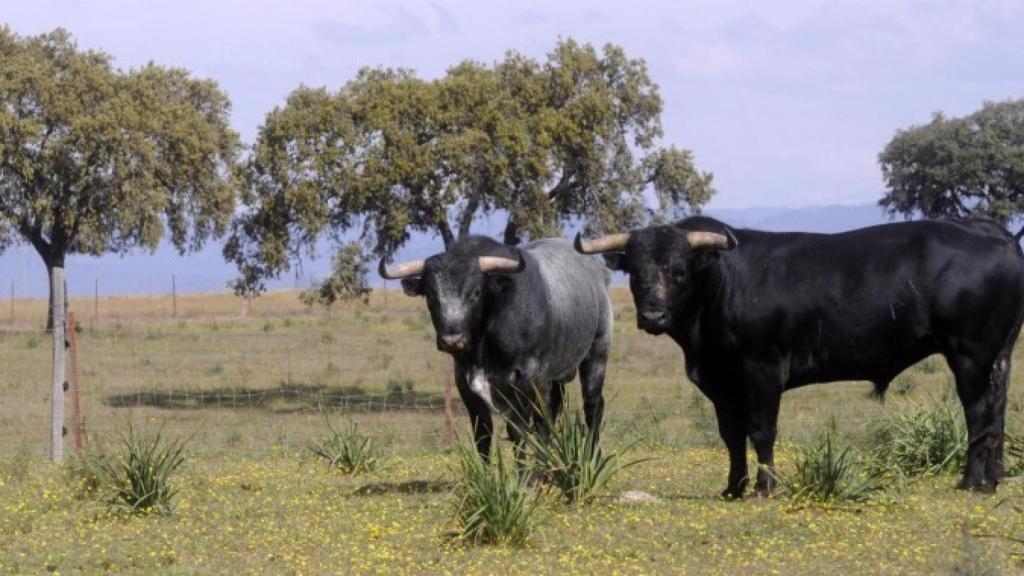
(609, 243)
(710, 240)
(399, 271)
(501, 265)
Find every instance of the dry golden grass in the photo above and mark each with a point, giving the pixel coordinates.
(265, 378)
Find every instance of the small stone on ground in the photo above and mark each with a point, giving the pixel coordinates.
(632, 496)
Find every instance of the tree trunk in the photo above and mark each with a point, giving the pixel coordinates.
(446, 234)
(1019, 234)
(52, 262)
(57, 313)
(511, 233)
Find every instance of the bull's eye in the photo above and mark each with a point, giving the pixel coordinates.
(679, 277)
(476, 293)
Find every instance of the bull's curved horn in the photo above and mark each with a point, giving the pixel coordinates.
(499, 264)
(399, 271)
(610, 243)
(710, 240)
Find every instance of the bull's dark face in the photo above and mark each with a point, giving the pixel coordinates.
(664, 265)
(659, 263)
(455, 294)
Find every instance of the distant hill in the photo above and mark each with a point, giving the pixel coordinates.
(206, 271)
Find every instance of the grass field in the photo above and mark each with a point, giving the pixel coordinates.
(253, 390)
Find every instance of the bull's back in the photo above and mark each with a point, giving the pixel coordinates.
(575, 295)
(867, 303)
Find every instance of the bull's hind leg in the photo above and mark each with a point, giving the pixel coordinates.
(762, 428)
(981, 387)
(592, 371)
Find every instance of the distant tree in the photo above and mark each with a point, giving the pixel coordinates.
(959, 167)
(97, 160)
(347, 281)
(544, 143)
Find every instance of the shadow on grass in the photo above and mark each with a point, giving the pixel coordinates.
(286, 398)
(409, 487)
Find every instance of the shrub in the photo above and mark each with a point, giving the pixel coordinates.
(496, 504)
(925, 439)
(346, 450)
(571, 462)
(829, 472)
(136, 477)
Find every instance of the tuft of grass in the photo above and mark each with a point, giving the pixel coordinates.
(571, 462)
(136, 477)
(346, 450)
(928, 438)
(16, 469)
(829, 472)
(496, 504)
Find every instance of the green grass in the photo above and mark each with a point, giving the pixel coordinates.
(495, 503)
(279, 513)
(830, 471)
(135, 476)
(347, 451)
(570, 462)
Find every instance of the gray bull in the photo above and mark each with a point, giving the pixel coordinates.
(518, 323)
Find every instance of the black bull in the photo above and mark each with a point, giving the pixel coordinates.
(759, 313)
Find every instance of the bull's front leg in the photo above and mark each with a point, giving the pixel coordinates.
(731, 428)
(479, 413)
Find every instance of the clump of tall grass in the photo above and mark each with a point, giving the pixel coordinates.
(136, 476)
(828, 471)
(570, 461)
(346, 450)
(927, 438)
(496, 503)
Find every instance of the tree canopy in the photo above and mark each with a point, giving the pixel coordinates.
(96, 160)
(572, 138)
(959, 167)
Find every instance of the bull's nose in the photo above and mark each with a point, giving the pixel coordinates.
(654, 316)
(453, 341)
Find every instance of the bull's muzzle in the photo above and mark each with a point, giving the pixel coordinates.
(652, 321)
(451, 342)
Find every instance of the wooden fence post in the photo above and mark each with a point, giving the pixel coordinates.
(57, 390)
(73, 380)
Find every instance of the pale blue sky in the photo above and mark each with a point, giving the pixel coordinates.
(788, 103)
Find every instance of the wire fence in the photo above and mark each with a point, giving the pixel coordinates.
(255, 384)
(242, 389)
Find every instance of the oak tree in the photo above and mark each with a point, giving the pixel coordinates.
(97, 160)
(571, 139)
(959, 167)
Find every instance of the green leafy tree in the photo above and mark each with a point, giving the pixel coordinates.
(572, 138)
(97, 160)
(347, 281)
(959, 167)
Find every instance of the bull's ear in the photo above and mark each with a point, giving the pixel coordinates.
(413, 286)
(615, 261)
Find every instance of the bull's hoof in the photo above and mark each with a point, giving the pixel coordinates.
(977, 485)
(731, 494)
(763, 492)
